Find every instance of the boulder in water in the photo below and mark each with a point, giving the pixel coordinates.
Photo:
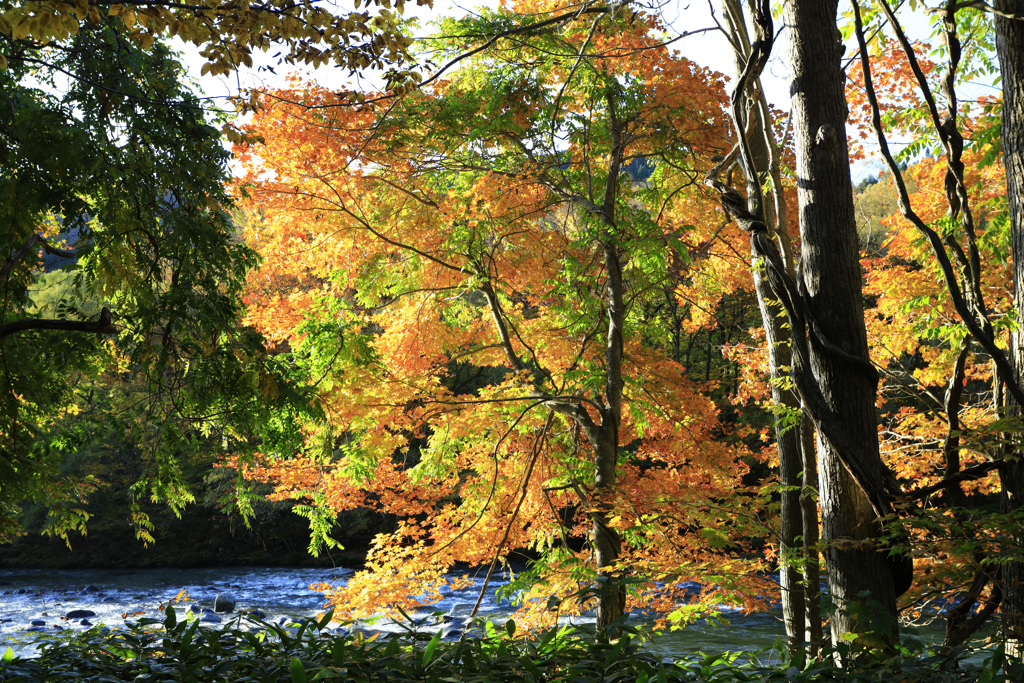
(210, 619)
(79, 614)
(37, 622)
(224, 602)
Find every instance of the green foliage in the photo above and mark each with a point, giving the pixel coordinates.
(106, 153)
(174, 649)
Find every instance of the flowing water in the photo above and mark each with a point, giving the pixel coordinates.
(36, 603)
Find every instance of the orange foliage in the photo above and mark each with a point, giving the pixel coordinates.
(385, 228)
(916, 336)
(914, 331)
(899, 99)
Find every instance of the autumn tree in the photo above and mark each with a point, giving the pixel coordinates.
(962, 221)
(936, 395)
(850, 470)
(830, 366)
(471, 263)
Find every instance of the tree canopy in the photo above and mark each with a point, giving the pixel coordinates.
(309, 32)
(472, 272)
(520, 293)
(113, 182)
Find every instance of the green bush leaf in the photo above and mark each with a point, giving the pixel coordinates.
(298, 671)
(428, 653)
(172, 620)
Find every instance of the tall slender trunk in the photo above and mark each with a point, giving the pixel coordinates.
(859, 577)
(814, 636)
(611, 599)
(611, 604)
(787, 439)
(1010, 50)
(764, 154)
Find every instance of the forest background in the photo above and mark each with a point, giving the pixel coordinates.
(510, 305)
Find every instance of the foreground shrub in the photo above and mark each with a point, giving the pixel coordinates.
(153, 651)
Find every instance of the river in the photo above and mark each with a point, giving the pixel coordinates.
(35, 603)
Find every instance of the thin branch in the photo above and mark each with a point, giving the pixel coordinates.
(561, 18)
(983, 6)
(568, 79)
(951, 444)
(538, 446)
(972, 473)
(949, 275)
(26, 247)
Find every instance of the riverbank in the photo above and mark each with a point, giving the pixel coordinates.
(180, 650)
(199, 538)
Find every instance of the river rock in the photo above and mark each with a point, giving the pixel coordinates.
(90, 589)
(224, 602)
(85, 622)
(79, 614)
(211, 619)
(37, 622)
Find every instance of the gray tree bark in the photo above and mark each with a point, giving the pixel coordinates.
(791, 549)
(1010, 51)
(859, 577)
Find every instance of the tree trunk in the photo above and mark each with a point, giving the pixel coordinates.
(812, 573)
(764, 153)
(611, 599)
(859, 578)
(1010, 50)
(787, 438)
(611, 603)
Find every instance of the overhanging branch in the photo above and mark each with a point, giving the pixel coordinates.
(105, 325)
